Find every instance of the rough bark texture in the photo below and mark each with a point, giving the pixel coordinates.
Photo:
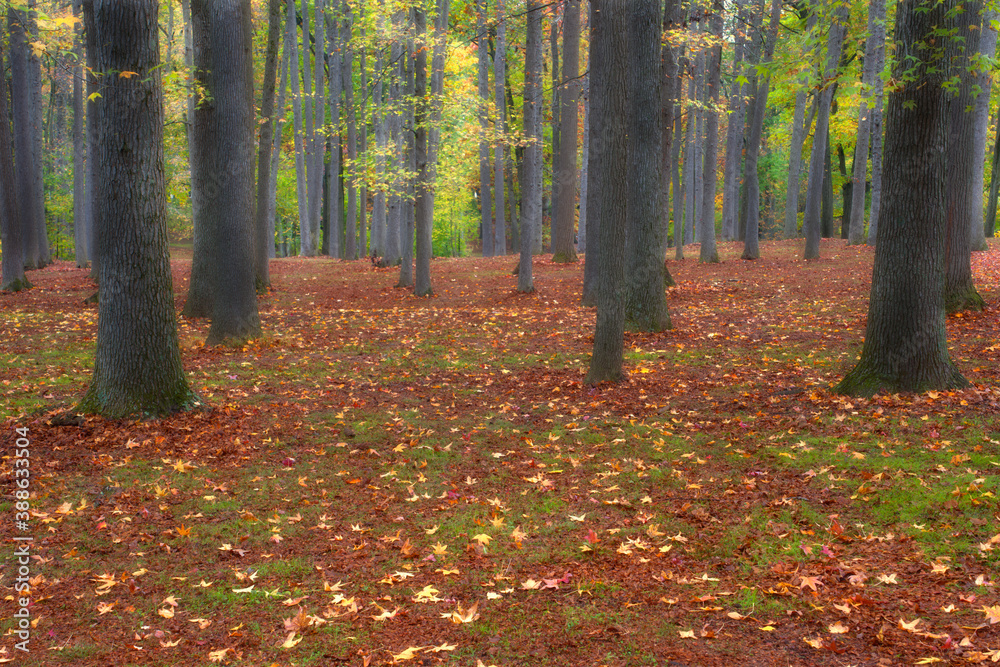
(676, 182)
(393, 253)
(556, 111)
(708, 252)
(24, 129)
(668, 72)
(347, 69)
(608, 76)
(581, 234)
(263, 242)
(81, 231)
(964, 196)
(751, 239)
(645, 293)
(811, 223)
(11, 232)
(38, 178)
(137, 362)
(422, 213)
(564, 174)
(905, 347)
(991, 209)
(857, 214)
(440, 51)
(531, 186)
(224, 133)
(485, 201)
(877, 139)
(272, 188)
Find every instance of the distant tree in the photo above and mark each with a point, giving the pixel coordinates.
(984, 79)
(706, 225)
(137, 363)
(564, 163)
(263, 241)
(531, 186)
(609, 108)
(499, 74)
(857, 214)
(422, 212)
(905, 345)
(485, 201)
(81, 221)
(736, 110)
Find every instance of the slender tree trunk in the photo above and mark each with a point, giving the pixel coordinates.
(424, 224)
(440, 51)
(556, 120)
(301, 179)
(24, 127)
(608, 76)
(363, 142)
(963, 196)
(826, 212)
(675, 158)
(11, 228)
(262, 242)
(668, 72)
(531, 185)
(379, 124)
(351, 231)
(393, 252)
(814, 193)
(581, 235)
(991, 210)
(987, 49)
(697, 165)
(857, 214)
(272, 188)
(876, 197)
(318, 138)
(791, 229)
(905, 342)
(485, 201)
(81, 234)
(734, 131)
(564, 173)
(38, 177)
(690, 162)
(137, 361)
(645, 294)
(708, 253)
(751, 239)
(91, 129)
(499, 73)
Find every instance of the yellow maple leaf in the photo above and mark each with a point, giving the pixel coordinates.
(686, 634)
(909, 627)
(443, 647)
(837, 628)
(992, 613)
(482, 538)
(291, 640)
(166, 612)
(408, 654)
(103, 608)
(218, 656)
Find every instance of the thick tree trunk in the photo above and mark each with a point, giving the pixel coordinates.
(24, 129)
(223, 134)
(38, 151)
(905, 346)
(708, 253)
(645, 294)
(499, 73)
(564, 172)
(485, 201)
(422, 213)
(857, 214)
(11, 229)
(963, 196)
(531, 185)
(814, 193)
(608, 76)
(263, 242)
(137, 362)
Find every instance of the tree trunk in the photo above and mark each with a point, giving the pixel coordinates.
(645, 294)
(905, 347)
(991, 210)
(876, 197)
(318, 139)
(675, 155)
(262, 242)
(668, 99)
(963, 196)
(690, 162)
(38, 151)
(363, 143)
(301, 178)
(581, 234)
(272, 188)
(751, 241)
(698, 163)
(11, 227)
(137, 362)
(24, 128)
(736, 111)
(485, 201)
(437, 92)
(564, 163)
(424, 224)
(223, 136)
(826, 212)
(91, 130)
(987, 49)
(499, 73)
(708, 253)
(407, 223)
(393, 252)
(347, 63)
(379, 211)
(814, 193)
(556, 111)
(857, 214)
(531, 185)
(608, 76)
(81, 232)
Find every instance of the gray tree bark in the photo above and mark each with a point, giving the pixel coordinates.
(499, 74)
(531, 186)
(876, 198)
(11, 227)
(734, 130)
(708, 253)
(137, 361)
(645, 293)
(422, 213)
(857, 215)
(301, 179)
(814, 192)
(987, 49)
(262, 242)
(347, 72)
(905, 345)
(668, 99)
(81, 231)
(24, 130)
(485, 201)
(272, 188)
(677, 183)
(564, 173)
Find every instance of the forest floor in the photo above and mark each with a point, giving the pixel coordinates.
(388, 479)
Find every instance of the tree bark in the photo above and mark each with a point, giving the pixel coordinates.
(272, 188)
(531, 186)
(564, 174)
(24, 130)
(422, 213)
(11, 227)
(708, 253)
(263, 242)
(668, 99)
(347, 72)
(556, 111)
(734, 130)
(964, 197)
(485, 201)
(645, 294)
(987, 49)
(675, 156)
(857, 214)
(608, 76)
(876, 197)
(814, 193)
(499, 73)
(81, 231)
(905, 346)
(137, 362)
